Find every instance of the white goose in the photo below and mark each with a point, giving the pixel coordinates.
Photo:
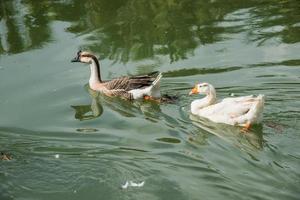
(134, 87)
(240, 111)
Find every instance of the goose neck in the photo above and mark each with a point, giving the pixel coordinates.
(95, 76)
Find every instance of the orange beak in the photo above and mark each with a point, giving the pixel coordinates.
(194, 91)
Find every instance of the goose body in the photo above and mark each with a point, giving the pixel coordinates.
(129, 87)
(240, 111)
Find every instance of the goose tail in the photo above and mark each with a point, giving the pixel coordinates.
(156, 81)
(255, 112)
(155, 87)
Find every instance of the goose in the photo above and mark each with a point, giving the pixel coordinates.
(238, 111)
(128, 87)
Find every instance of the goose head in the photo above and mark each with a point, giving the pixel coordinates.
(202, 88)
(84, 57)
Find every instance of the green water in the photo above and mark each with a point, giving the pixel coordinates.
(68, 142)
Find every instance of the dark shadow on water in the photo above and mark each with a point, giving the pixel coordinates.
(291, 63)
(169, 140)
(195, 71)
(132, 149)
(214, 70)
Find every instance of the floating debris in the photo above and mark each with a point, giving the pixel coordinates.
(132, 184)
(4, 156)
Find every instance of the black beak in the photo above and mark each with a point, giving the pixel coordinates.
(76, 59)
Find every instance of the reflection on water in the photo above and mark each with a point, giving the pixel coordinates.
(248, 141)
(124, 107)
(94, 110)
(24, 25)
(135, 30)
(81, 111)
(277, 23)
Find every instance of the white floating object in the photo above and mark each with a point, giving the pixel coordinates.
(56, 156)
(132, 184)
(125, 185)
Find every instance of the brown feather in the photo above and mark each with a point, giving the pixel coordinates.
(129, 83)
(119, 92)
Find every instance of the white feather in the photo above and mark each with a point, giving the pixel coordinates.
(152, 90)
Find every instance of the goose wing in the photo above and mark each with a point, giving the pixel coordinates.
(120, 92)
(127, 83)
(227, 108)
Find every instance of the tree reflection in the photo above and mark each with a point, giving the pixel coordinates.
(125, 30)
(139, 29)
(279, 20)
(24, 25)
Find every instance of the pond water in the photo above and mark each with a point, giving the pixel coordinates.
(69, 142)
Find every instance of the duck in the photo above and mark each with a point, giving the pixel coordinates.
(237, 111)
(128, 87)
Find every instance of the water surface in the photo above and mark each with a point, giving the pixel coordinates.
(69, 142)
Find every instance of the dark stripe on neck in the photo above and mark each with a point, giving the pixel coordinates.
(98, 66)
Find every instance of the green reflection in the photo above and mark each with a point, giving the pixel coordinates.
(140, 29)
(278, 20)
(24, 25)
(132, 30)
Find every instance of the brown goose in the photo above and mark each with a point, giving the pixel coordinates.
(129, 87)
